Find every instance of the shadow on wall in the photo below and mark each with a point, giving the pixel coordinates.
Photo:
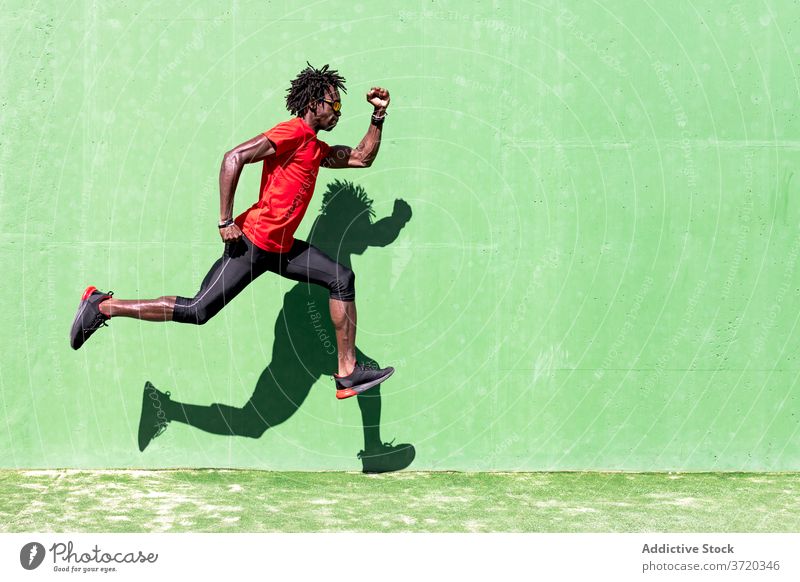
(305, 342)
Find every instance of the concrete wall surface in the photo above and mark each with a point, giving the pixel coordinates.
(600, 270)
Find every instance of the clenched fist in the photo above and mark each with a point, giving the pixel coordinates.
(230, 233)
(378, 97)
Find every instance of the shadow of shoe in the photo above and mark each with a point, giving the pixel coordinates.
(152, 419)
(387, 458)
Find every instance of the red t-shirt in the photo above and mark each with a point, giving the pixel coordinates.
(287, 184)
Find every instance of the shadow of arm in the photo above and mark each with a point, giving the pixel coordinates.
(385, 231)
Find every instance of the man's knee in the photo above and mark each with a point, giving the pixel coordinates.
(343, 287)
(188, 311)
(202, 316)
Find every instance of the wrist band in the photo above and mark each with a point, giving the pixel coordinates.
(225, 223)
(376, 119)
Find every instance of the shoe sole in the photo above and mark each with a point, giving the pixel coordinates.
(75, 330)
(343, 393)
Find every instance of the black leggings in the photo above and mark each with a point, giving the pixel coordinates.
(242, 262)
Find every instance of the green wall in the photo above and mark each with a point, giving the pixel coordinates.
(600, 272)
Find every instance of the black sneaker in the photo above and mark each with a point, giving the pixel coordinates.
(387, 458)
(362, 378)
(153, 420)
(88, 319)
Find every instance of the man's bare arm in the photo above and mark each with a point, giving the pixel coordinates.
(253, 150)
(365, 152)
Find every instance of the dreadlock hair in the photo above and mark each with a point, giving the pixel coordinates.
(310, 85)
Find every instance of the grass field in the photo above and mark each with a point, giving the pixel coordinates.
(257, 501)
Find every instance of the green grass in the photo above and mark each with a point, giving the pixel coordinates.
(257, 501)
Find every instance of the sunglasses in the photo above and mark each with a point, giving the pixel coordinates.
(335, 105)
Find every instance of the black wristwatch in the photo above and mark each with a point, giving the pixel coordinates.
(225, 223)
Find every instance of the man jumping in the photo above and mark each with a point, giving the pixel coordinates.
(262, 238)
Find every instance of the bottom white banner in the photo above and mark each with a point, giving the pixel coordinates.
(353, 557)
